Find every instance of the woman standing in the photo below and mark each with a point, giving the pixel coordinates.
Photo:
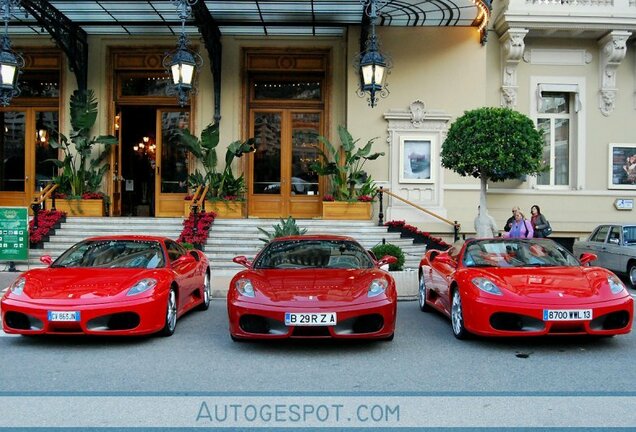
(521, 227)
(539, 222)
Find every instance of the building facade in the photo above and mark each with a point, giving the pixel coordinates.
(570, 66)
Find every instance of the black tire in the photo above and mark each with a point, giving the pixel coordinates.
(631, 273)
(171, 314)
(422, 295)
(457, 317)
(206, 293)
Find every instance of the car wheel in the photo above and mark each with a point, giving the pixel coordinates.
(207, 293)
(422, 296)
(457, 317)
(171, 314)
(631, 272)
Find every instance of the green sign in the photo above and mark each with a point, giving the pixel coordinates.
(14, 234)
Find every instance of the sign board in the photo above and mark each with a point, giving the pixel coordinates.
(624, 204)
(14, 234)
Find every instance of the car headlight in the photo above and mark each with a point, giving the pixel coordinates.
(377, 287)
(615, 284)
(17, 287)
(142, 286)
(245, 287)
(487, 285)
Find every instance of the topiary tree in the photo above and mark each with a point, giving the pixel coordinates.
(494, 144)
(382, 250)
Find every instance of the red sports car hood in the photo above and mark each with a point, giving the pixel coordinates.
(559, 283)
(87, 285)
(325, 286)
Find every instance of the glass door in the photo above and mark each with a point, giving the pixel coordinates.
(282, 182)
(171, 175)
(24, 154)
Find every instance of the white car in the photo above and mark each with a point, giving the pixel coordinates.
(615, 246)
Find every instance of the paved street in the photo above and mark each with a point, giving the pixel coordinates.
(424, 358)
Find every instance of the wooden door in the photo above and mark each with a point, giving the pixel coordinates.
(282, 182)
(25, 153)
(171, 168)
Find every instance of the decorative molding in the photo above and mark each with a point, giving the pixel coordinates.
(513, 47)
(612, 51)
(557, 57)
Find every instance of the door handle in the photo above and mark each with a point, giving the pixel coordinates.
(26, 178)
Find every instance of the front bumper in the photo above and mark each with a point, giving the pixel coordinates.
(117, 318)
(491, 317)
(373, 320)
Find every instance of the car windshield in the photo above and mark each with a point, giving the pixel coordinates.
(328, 254)
(113, 254)
(629, 235)
(517, 253)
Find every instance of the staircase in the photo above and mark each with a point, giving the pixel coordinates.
(227, 237)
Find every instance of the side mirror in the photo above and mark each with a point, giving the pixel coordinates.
(242, 260)
(587, 257)
(46, 259)
(445, 259)
(386, 260)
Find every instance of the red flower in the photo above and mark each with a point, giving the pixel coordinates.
(204, 221)
(395, 223)
(92, 195)
(365, 198)
(328, 197)
(47, 219)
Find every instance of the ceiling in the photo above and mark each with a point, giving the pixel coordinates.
(254, 17)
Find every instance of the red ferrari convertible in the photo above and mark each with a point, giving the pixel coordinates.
(522, 287)
(312, 286)
(116, 285)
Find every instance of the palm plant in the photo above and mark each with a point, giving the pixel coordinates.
(78, 171)
(286, 227)
(345, 166)
(221, 183)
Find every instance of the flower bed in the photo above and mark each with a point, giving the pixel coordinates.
(418, 236)
(203, 224)
(48, 220)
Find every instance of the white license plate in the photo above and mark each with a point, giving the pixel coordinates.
(567, 314)
(310, 319)
(64, 316)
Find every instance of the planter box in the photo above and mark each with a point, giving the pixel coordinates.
(346, 210)
(223, 209)
(81, 207)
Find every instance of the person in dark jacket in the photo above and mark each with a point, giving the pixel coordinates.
(511, 219)
(539, 222)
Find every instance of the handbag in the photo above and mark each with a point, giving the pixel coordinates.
(547, 230)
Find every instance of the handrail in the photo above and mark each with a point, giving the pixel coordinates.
(200, 202)
(456, 225)
(44, 193)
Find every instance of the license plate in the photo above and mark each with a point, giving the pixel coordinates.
(64, 316)
(310, 319)
(567, 314)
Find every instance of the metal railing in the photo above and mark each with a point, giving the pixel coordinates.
(456, 225)
(39, 200)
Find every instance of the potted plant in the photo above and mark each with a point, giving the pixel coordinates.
(286, 227)
(226, 192)
(351, 188)
(80, 174)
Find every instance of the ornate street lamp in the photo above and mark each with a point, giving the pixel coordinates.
(182, 64)
(374, 66)
(10, 61)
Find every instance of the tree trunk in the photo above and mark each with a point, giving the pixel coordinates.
(483, 219)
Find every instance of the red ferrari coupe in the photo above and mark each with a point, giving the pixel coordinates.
(116, 285)
(312, 286)
(522, 287)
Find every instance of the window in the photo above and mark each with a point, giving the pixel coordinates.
(175, 251)
(600, 234)
(555, 122)
(557, 105)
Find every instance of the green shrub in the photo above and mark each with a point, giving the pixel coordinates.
(286, 227)
(390, 249)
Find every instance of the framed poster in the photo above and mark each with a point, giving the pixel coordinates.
(415, 160)
(622, 166)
